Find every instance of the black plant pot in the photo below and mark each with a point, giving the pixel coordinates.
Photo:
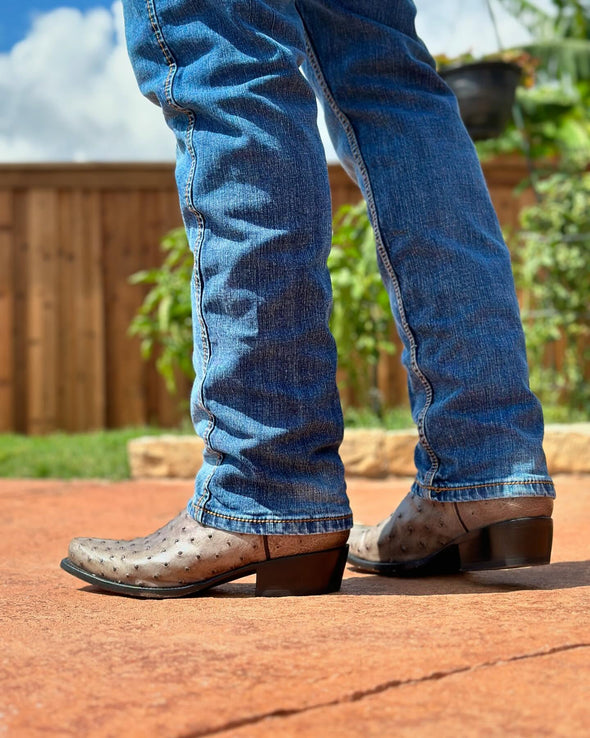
(485, 91)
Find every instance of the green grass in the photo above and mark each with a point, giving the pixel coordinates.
(97, 455)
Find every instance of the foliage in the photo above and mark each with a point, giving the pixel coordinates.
(553, 269)
(163, 322)
(361, 318)
(554, 97)
(554, 125)
(567, 59)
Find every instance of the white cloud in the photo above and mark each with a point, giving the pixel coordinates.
(68, 91)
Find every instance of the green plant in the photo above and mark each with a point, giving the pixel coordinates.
(553, 269)
(163, 322)
(554, 125)
(554, 97)
(361, 318)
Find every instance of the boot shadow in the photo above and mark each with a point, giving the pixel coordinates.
(561, 575)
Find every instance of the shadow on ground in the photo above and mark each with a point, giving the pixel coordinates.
(559, 576)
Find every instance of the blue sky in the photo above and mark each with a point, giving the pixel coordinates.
(68, 92)
(17, 15)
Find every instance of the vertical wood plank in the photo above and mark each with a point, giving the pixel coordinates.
(93, 337)
(81, 337)
(42, 322)
(122, 219)
(7, 349)
(20, 261)
(391, 375)
(67, 311)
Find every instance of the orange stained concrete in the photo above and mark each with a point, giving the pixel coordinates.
(503, 653)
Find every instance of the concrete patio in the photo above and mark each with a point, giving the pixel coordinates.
(503, 653)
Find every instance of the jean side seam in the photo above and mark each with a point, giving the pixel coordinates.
(360, 163)
(189, 202)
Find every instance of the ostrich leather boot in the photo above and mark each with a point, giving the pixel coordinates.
(184, 557)
(425, 537)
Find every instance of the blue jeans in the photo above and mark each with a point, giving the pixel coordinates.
(254, 193)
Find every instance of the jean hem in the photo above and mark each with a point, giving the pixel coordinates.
(485, 490)
(269, 525)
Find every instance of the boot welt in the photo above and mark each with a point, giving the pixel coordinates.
(505, 545)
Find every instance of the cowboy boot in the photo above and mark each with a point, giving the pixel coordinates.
(425, 537)
(184, 557)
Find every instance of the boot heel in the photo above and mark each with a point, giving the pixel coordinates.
(304, 574)
(512, 543)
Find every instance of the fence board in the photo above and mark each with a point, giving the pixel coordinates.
(93, 337)
(81, 346)
(20, 244)
(6, 313)
(42, 322)
(392, 377)
(122, 257)
(103, 177)
(70, 234)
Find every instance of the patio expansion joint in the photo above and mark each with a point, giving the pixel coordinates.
(379, 689)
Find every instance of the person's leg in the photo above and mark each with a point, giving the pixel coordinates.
(255, 199)
(397, 129)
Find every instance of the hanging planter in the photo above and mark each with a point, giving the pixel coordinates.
(485, 91)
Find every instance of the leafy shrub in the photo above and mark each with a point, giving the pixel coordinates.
(361, 320)
(553, 123)
(553, 268)
(163, 322)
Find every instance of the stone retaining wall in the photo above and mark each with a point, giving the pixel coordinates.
(370, 453)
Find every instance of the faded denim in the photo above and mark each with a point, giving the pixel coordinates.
(254, 193)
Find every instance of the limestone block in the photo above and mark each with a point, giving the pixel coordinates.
(165, 456)
(567, 448)
(363, 452)
(366, 453)
(399, 450)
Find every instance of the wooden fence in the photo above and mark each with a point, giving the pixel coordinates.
(70, 236)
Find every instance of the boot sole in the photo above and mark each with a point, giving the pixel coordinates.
(315, 573)
(505, 545)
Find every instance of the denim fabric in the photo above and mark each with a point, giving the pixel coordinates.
(254, 193)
